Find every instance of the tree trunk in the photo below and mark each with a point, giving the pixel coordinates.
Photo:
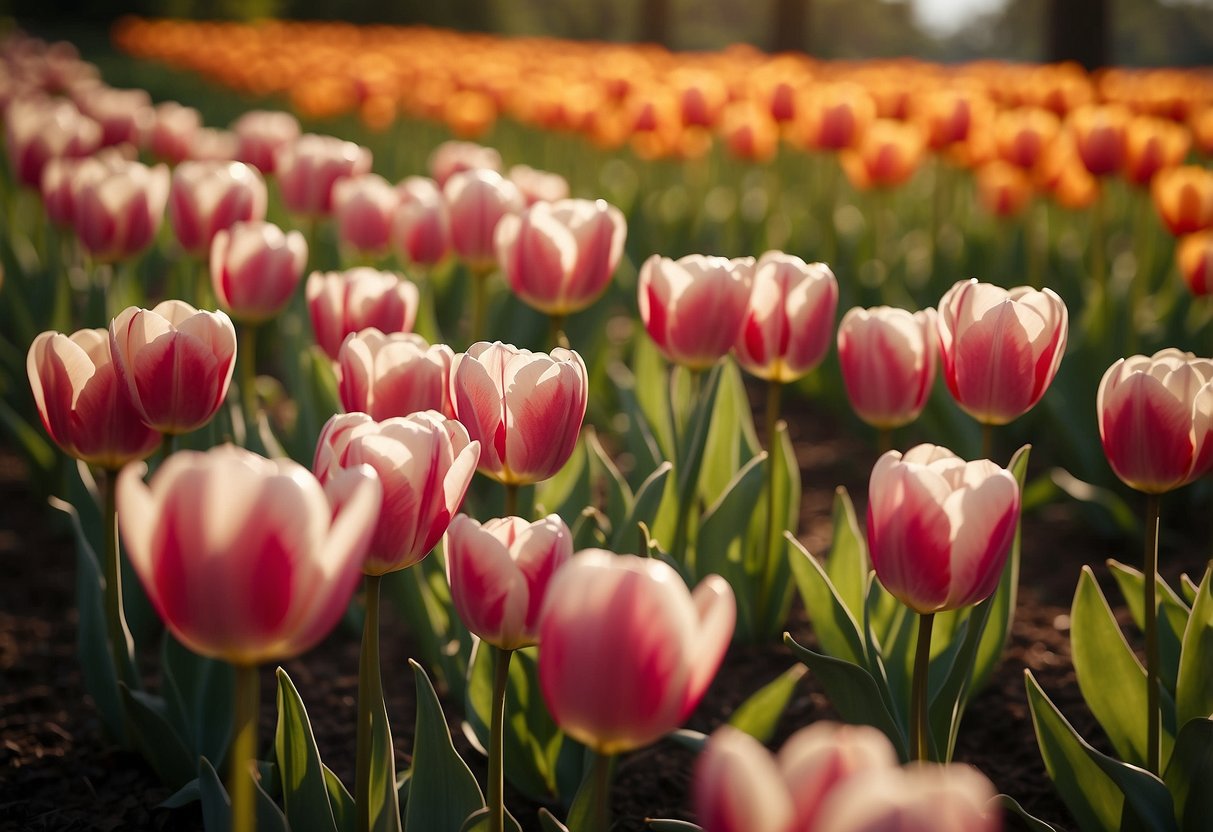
(655, 22)
(791, 26)
(1078, 31)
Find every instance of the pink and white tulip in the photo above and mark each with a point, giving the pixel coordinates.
(310, 166)
(499, 574)
(477, 201)
(1156, 419)
(260, 134)
(64, 176)
(790, 318)
(888, 358)
(364, 207)
(538, 185)
(421, 229)
(125, 116)
(119, 210)
(246, 559)
(341, 303)
(207, 197)
(920, 798)
(38, 130)
(452, 157)
(526, 408)
(175, 361)
(626, 650)
(1001, 348)
(255, 267)
(424, 461)
(173, 130)
(212, 145)
(393, 374)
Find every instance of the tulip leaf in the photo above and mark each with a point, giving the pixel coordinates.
(949, 696)
(833, 622)
(1100, 792)
(847, 564)
(569, 490)
(723, 538)
(852, 691)
(1194, 685)
(1111, 679)
(772, 571)
(305, 792)
(187, 794)
(1189, 775)
(217, 806)
(1004, 802)
(443, 791)
(1189, 589)
(1171, 623)
(651, 388)
(603, 469)
(156, 738)
(583, 814)
(549, 823)
(479, 821)
(423, 596)
(688, 465)
(759, 714)
(644, 508)
(641, 439)
(384, 809)
(340, 801)
(199, 693)
(663, 825)
(731, 440)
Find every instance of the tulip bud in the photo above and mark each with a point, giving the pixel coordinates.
(39, 130)
(309, 167)
(364, 207)
(118, 212)
(421, 229)
(260, 134)
(887, 155)
(538, 185)
(477, 200)
(1003, 189)
(1195, 259)
(344, 302)
(1153, 144)
(888, 358)
(173, 129)
(1099, 136)
(922, 798)
(255, 268)
(206, 197)
(1183, 197)
(393, 375)
(453, 157)
(125, 116)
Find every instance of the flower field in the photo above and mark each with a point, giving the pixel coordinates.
(584, 436)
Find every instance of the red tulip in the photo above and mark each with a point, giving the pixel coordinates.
(888, 358)
(246, 559)
(344, 302)
(477, 200)
(393, 375)
(424, 461)
(694, 307)
(364, 207)
(1001, 349)
(626, 651)
(260, 134)
(924, 798)
(789, 319)
(421, 229)
(1156, 419)
(939, 528)
(175, 361)
(255, 268)
(525, 408)
(500, 572)
(118, 211)
(308, 167)
(84, 406)
(559, 256)
(206, 197)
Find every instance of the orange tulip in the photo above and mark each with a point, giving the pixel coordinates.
(887, 155)
(1003, 188)
(1183, 197)
(1153, 144)
(1195, 259)
(834, 116)
(1022, 135)
(1099, 133)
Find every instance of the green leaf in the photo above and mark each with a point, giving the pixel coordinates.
(759, 714)
(651, 389)
(772, 570)
(1009, 804)
(643, 510)
(603, 470)
(835, 625)
(731, 440)
(660, 825)
(479, 821)
(304, 788)
(569, 491)
(1189, 775)
(548, 822)
(1171, 622)
(852, 691)
(216, 806)
(583, 813)
(187, 794)
(443, 792)
(157, 740)
(689, 461)
(384, 810)
(847, 564)
(1194, 686)
(1189, 589)
(640, 437)
(340, 802)
(721, 548)
(948, 700)
(1111, 679)
(199, 694)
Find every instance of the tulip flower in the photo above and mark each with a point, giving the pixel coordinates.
(1194, 257)
(525, 408)
(421, 229)
(1153, 144)
(1003, 189)
(749, 131)
(478, 200)
(888, 358)
(118, 212)
(247, 560)
(740, 787)
(211, 145)
(1001, 349)
(834, 116)
(255, 267)
(207, 197)
(538, 185)
(1183, 197)
(309, 167)
(344, 302)
(260, 134)
(559, 256)
(172, 133)
(1022, 135)
(364, 207)
(694, 307)
(887, 155)
(1099, 137)
(925, 798)
(453, 157)
(393, 375)
(37, 131)
(124, 115)
(63, 177)
(175, 361)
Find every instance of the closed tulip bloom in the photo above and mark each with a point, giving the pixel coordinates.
(308, 167)
(424, 461)
(83, 405)
(740, 787)
(255, 267)
(1001, 349)
(477, 201)
(246, 559)
(939, 528)
(1183, 197)
(538, 185)
(559, 256)
(1003, 189)
(626, 651)
(790, 318)
(125, 116)
(1099, 133)
(834, 116)
(364, 207)
(694, 307)
(749, 132)
(887, 155)
(921, 798)
(421, 229)
(526, 408)
(1023, 134)
(1155, 419)
(39, 130)
(453, 157)
(1152, 144)
(212, 145)
(1194, 257)
(206, 197)
(118, 212)
(175, 361)
(499, 574)
(343, 302)
(173, 129)
(63, 177)
(260, 134)
(888, 358)
(393, 374)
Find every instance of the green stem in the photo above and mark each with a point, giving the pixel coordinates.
(501, 679)
(686, 495)
(884, 441)
(1099, 270)
(600, 796)
(769, 548)
(556, 336)
(987, 441)
(1153, 708)
(919, 732)
(203, 298)
(244, 749)
(246, 355)
(480, 291)
(370, 698)
(169, 445)
(511, 499)
(937, 197)
(119, 635)
(1032, 247)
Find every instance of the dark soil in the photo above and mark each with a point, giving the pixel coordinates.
(57, 772)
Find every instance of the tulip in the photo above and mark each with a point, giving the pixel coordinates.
(421, 229)
(453, 157)
(118, 211)
(926, 798)
(478, 200)
(309, 167)
(948, 115)
(364, 207)
(500, 572)
(206, 197)
(173, 129)
(175, 361)
(1022, 135)
(260, 134)
(1153, 144)
(740, 787)
(1183, 197)
(211, 145)
(393, 375)
(64, 176)
(1003, 189)
(525, 408)
(887, 155)
(538, 185)
(125, 116)
(1195, 259)
(344, 302)
(888, 358)
(255, 267)
(1001, 349)
(1099, 136)
(749, 132)
(835, 115)
(37, 131)
(559, 256)
(694, 307)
